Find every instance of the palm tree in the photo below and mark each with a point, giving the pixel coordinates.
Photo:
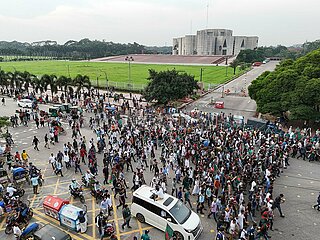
(81, 82)
(3, 79)
(37, 84)
(26, 78)
(63, 83)
(50, 80)
(15, 80)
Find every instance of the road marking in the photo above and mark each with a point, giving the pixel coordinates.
(135, 231)
(115, 215)
(53, 185)
(2, 223)
(32, 201)
(93, 217)
(212, 231)
(140, 227)
(56, 187)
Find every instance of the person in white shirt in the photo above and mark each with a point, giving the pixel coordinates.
(241, 219)
(109, 203)
(159, 193)
(52, 161)
(16, 231)
(11, 190)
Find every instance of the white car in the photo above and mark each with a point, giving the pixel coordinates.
(25, 103)
(170, 211)
(186, 117)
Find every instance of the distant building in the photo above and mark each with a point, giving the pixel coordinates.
(213, 42)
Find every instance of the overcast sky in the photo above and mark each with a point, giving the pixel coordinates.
(156, 22)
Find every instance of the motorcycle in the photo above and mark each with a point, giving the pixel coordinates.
(84, 181)
(12, 219)
(19, 193)
(77, 193)
(99, 194)
(109, 231)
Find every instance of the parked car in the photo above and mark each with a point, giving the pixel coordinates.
(24, 103)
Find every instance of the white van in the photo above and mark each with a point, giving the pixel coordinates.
(185, 223)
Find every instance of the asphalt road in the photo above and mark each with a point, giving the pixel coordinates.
(237, 102)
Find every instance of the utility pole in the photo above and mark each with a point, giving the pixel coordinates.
(201, 70)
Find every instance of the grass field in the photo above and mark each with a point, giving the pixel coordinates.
(116, 72)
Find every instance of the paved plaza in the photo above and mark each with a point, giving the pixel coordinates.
(300, 183)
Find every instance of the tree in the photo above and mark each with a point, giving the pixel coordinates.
(4, 122)
(3, 79)
(37, 84)
(14, 79)
(234, 65)
(292, 89)
(51, 81)
(170, 85)
(26, 79)
(81, 82)
(63, 83)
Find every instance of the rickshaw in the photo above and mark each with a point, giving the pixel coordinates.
(4, 178)
(66, 107)
(20, 175)
(53, 111)
(76, 109)
(58, 126)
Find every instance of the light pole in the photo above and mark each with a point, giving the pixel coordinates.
(226, 66)
(98, 82)
(107, 82)
(68, 70)
(201, 70)
(129, 59)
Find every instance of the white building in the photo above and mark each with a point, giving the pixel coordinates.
(213, 42)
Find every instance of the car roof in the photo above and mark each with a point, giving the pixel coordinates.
(145, 192)
(25, 100)
(49, 232)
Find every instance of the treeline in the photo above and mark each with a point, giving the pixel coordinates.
(73, 50)
(261, 53)
(22, 81)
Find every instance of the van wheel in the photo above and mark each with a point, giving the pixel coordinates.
(140, 218)
(178, 236)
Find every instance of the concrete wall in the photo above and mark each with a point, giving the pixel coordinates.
(189, 45)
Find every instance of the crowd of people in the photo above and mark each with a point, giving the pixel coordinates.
(227, 168)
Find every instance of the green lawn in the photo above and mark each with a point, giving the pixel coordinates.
(116, 72)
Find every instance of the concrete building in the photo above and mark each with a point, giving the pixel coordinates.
(213, 42)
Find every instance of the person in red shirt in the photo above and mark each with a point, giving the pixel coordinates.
(17, 157)
(83, 154)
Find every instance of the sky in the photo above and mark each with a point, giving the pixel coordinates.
(156, 22)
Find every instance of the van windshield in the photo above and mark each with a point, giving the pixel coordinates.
(180, 212)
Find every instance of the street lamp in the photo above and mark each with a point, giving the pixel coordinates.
(107, 82)
(129, 59)
(98, 82)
